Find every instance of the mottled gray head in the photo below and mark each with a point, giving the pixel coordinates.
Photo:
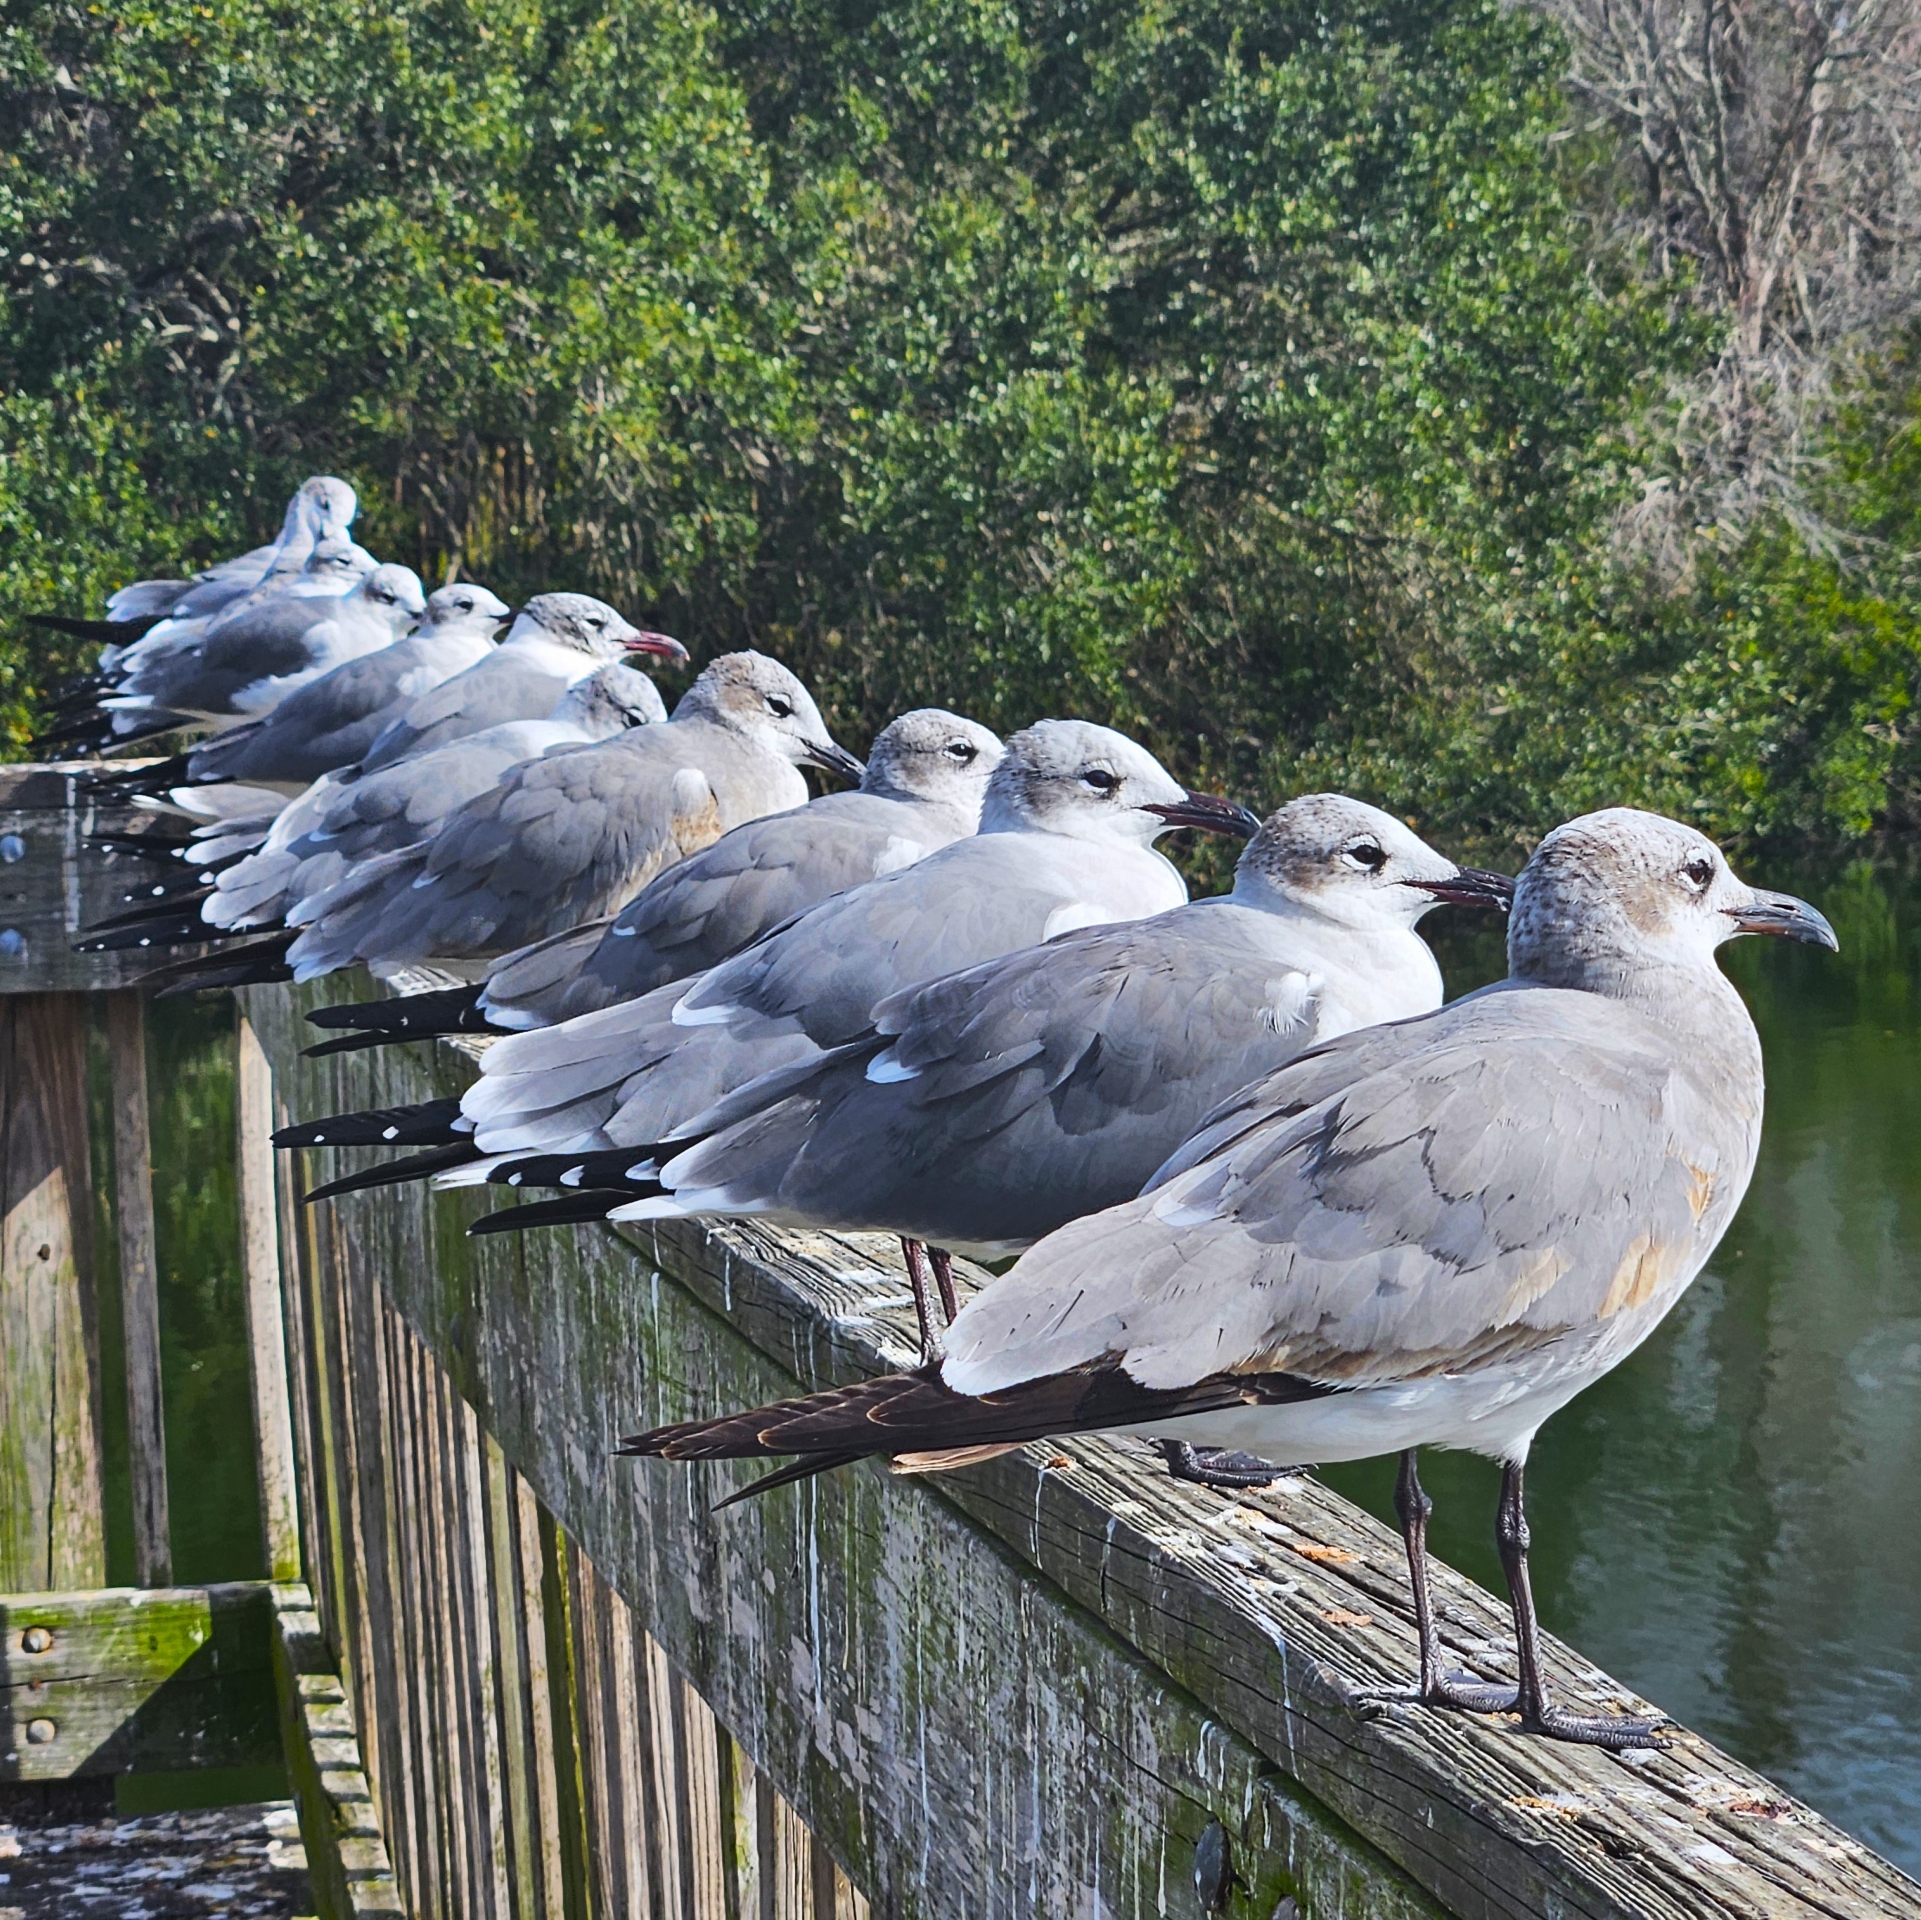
(464, 608)
(752, 695)
(931, 754)
(589, 626)
(1072, 777)
(1345, 861)
(338, 564)
(328, 506)
(610, 701)
(396, 592)
(1618, 893)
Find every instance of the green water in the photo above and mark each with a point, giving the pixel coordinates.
(1730, 1521)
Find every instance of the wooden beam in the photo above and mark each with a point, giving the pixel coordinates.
(54, 882)
(136, 1679)
(52, 1499)
(1052, 1673)
(139, 1286)
(266, 1326)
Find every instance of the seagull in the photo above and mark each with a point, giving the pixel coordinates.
(342, 605)
(330, 722)
(571, 836)
(321, 506)
(984, 1109)
(333, 720)
(1065, 841)
(927, 774)
(316, 839)
(557, 640)
(1435, 1232)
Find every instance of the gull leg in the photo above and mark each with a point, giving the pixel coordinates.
(1538, 1714)
(1437, 1687)
(943, 1264)
(916, 1257)
(1219, 1467)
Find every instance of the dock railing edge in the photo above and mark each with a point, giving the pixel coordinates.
(1276, 1626)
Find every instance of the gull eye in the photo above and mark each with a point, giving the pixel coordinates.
(962, 752)
(1698, 873)
(1365, 856)
(779, 708)
(1100, 779)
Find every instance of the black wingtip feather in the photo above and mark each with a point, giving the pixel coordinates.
(430, 1124)
(413, 1017)
(569, 1210)
(395, 1173)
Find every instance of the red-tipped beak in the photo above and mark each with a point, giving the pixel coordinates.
(1471, 887)
(664, 645)
(1211, 814)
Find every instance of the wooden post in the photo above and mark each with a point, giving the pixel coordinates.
(52, 1500)
(260, 1270)
(139, 1287)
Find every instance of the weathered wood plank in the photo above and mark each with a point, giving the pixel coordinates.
(924, 1700)
(52, 1496)
(339, 1818)
(139, 1287)
(132, 1679)
(53, 884)
(266, 1329)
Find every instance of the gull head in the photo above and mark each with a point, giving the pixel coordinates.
(749, 694)
(465, 608)
(931, 754)
(394, 592)
(585, 625)
(1620, 892)
(337, 565)
(1091, 783)
(1346, 862)
(609, 701)
(327, 506)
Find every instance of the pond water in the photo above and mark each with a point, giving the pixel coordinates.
(1729, 1522)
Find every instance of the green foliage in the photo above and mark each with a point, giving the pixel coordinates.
(1249, 375)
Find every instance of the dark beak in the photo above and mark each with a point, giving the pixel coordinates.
(662, 644)
(831, 757)
(1211, 814)
(1782, 915)
(1471, 887)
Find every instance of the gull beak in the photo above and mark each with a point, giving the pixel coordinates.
(1210, 813)
(662, 644)
(831, 757)
(1471, 887)
(1782, 915)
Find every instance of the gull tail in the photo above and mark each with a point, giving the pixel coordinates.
(417, 1016)
(396, 1173)
(248, 966)
(431, 1124)
(571, 1209)
(120, 631)
(919, 1414)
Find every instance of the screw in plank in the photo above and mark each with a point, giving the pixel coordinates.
(36, 1640)
(40, 1732)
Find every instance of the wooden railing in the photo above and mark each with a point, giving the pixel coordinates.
(538, 1680)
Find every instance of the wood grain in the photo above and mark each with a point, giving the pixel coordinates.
(125, 1679)
(53, 883)
(52, 1498)
(1027, 1688)
(139, 1288)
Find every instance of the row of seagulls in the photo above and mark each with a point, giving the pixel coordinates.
(1273, 1202)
